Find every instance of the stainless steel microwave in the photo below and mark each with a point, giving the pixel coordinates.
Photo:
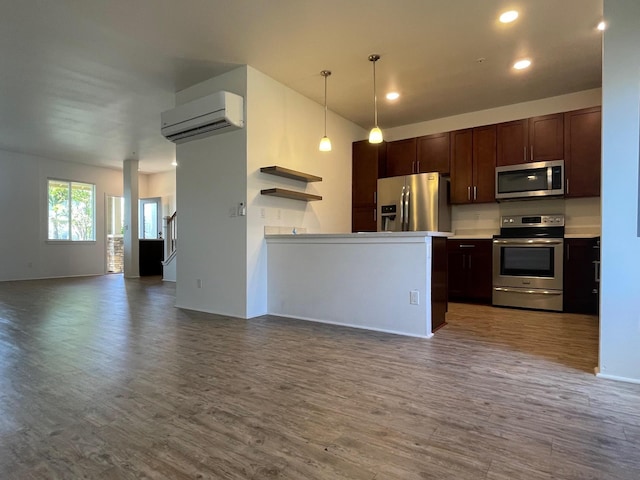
(538, 179)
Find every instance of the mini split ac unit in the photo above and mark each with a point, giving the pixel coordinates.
(219, 112)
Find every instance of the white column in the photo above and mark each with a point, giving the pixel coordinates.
(620, 280)
(131, 243)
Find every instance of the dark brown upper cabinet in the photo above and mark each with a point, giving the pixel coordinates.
(401, 157)
(535, 139)
(582, 152)
(434, 153)
(473, 164)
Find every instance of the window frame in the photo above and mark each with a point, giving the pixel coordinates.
(70, 183)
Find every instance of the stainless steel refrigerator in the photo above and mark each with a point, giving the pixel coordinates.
(414, 203)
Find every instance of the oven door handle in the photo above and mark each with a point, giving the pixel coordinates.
(528, 292)
(528, 242)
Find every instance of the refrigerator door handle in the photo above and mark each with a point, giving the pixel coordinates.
(406, 212)
(402, 209)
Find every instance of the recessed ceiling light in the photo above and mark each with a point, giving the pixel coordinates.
(508, 17)
(174, 163)
(521, 64)
(602, 26)
(393, 96)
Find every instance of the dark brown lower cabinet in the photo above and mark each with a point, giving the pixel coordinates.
(363, 219)
(438, 282)
(151, 255)
(470, 270)
(581, 275)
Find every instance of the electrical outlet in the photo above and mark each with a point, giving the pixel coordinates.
(414, 297)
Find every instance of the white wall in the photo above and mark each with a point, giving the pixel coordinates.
(214, 174)
(620, 301)
(211, 179)
(23, 193)
(163, 185)
(284, 128)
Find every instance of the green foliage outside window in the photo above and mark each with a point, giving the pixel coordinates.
(71, 211)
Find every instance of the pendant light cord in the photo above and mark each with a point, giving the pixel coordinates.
(325, 105)
(375, 97)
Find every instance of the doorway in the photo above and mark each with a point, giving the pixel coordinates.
(115, 234)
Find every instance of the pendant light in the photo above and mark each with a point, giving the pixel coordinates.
(375, 135)
(325, 143)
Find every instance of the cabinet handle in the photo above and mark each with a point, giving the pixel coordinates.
(596, 264)
(469, 262)
(567, 191)
(375, 197)
(531, 153)
(464, 262)
(475, 192)
(375, 214)
(524, 154)
(464, 245)
(469, 193)
(568, 251)
(418, 166)
(413, 167)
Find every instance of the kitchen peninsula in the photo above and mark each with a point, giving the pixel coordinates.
(389, 282)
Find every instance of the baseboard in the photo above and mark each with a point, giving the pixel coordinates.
(349, 325)
(617, 378)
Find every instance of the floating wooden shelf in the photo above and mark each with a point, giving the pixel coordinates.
(281, 192)
(293, 174)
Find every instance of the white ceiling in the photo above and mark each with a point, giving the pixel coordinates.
(86, 80)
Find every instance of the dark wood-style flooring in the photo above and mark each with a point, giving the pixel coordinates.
(103, 378)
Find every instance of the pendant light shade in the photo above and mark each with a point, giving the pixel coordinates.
(375, 135)
(325, 143)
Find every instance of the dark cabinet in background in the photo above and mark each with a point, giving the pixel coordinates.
(473, 163)
(433, 153)
(536, 139)
(151, 255)
(582, 156)
(401, 157)
(368, 164)
(581, 275)
(470, 270)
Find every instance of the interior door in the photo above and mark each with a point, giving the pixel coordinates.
(150, 221)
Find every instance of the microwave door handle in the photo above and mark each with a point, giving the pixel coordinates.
(549, 177)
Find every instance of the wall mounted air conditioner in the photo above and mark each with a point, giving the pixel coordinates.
(219, 112)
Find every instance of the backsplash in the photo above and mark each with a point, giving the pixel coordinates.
(582, 215)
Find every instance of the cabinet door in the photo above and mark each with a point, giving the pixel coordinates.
(484, 164)
(365, 172)
(582, 160)
(546, 138)
(480, 265)
(401, 157)
(457, 273)
(512, 138)
(580, 289)
(461, 166)
(363, 219)
(433, 153)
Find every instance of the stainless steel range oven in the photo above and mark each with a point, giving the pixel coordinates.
(527, 262)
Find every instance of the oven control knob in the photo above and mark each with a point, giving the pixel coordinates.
(545, 220)
(511, 220)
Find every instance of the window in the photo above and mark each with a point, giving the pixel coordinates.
(71, 211)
